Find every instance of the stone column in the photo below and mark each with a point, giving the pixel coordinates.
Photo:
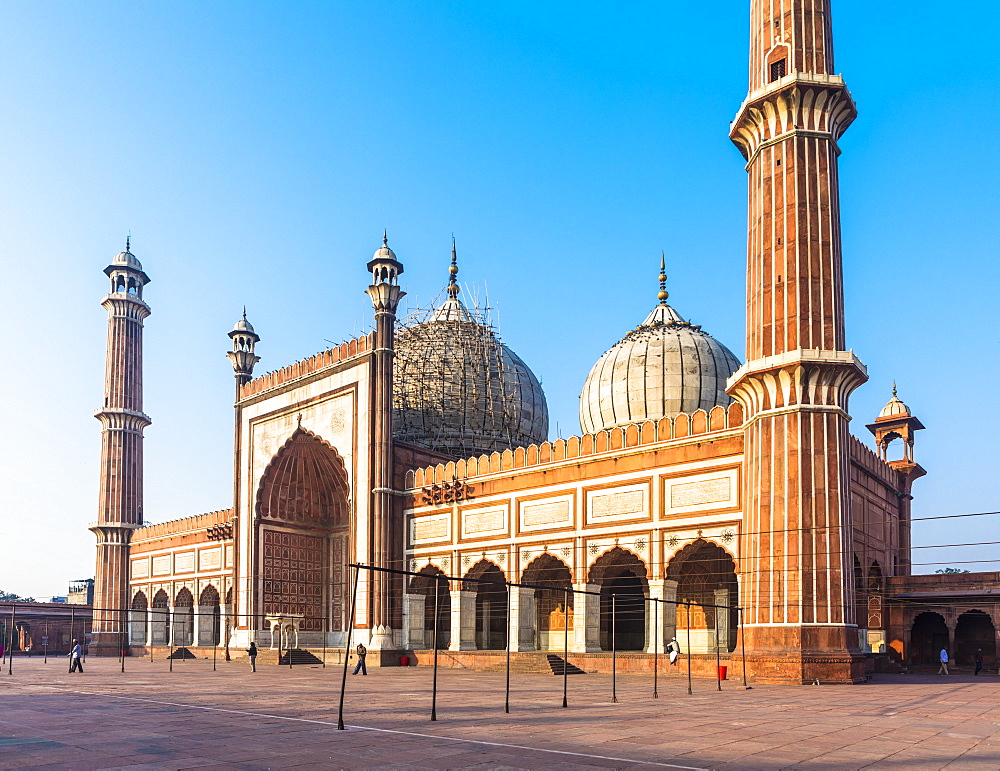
(722, 631)
(414, 637)
(665, 614)
(587, 619)
(521, 620)
(463, 621)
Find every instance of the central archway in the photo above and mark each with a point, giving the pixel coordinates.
(491, 605)
(302, 524)
(622, 578)
(706, 580)
(553, 600)
(928, 636)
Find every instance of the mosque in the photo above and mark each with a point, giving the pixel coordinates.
(733, 488)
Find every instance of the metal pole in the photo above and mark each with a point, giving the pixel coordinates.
(13, 628)
(743, 648)
(170, 637)
(718, 662)
(614, 654)
(72, 625)
(656, 647)
(566, 650)
(689, 645)
(347, 651)
(45, 647)
(215, 640)
(123, 615)
(289, 649)
(326, 625)
(434, 679)
(506, 700)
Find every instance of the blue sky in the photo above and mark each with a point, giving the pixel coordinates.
(255, 151)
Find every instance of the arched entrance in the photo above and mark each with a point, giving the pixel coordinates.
(706, 579)
(975, 630)
(928, 636)
(622, 578)
(302, 525)
(184, 618)
(209, 617)
(137, 619)
(426, 584)
(491, 605)
(552, 615)
(159, 625)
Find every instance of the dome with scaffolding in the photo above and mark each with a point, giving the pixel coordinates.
(458, 389)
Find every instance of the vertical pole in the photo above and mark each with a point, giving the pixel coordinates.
(170, 637)
(13, 629)
(614, 653)
(437, 623)
(347, 651)
(656, 647)
(718, 662)
(688, 621)
(743, 648)
(215, 640)
(46, 646)
(506, 700)
(289, 650)
(566, 649)
(123, 615)
(72, 625)
(326, 625)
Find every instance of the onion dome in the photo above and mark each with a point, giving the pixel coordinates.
(124, 262)
(457, 388)
(663, 367)
(244, 327)
(894, 408)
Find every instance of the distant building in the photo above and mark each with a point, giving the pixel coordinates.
(58, 600)
(81, 592)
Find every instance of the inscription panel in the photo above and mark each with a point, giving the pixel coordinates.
(140, 568)
(184, 563)
(545, 514)
(489, 521)
(161, 565)
(433, 528)
(210, 559)
(610, 505)
(716, 490)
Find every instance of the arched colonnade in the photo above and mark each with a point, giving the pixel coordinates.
(476, 613)
(177, 620)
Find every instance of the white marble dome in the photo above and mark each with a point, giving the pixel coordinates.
(663, 367)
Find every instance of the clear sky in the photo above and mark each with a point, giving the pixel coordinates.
(256, 150)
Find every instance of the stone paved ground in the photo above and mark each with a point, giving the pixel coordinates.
(149, 718)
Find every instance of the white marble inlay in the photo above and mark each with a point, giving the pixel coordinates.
(488, 521)
(617, 504)
(551, 513)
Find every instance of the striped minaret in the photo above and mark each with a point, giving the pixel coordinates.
(796, 550)
(122, 422)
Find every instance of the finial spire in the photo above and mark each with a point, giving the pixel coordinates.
(244, 313)
(663, 294)
(893, 387)
(453, 287)
(385, 237)
(128, 243)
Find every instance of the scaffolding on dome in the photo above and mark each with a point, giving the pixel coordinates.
(458, 389)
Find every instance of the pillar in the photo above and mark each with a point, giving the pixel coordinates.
(463, 621)
(522, 619)
(722, 632)
(665, 613)
(414, 637)
(587, 619)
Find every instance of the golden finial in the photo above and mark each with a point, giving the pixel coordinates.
(894, 388)
(453, 287)
(663, 294)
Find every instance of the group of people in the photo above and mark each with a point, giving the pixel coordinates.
(944, 659)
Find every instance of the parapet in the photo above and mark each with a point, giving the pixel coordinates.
(316, 363)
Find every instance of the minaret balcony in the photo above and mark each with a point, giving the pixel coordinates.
(120, 419)
(800, 103)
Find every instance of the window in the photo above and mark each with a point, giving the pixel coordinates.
(777, 69)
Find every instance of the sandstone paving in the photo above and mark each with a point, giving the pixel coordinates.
(195, 717)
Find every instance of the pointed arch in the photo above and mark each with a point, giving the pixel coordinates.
(623, 579)
(706, 582)
(553, 599)
(428, 583)
(306, 482)
(491, 604)
(137, 616)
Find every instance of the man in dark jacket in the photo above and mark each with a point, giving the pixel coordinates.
(362, 652)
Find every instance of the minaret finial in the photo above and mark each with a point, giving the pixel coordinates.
(453, 287)
(893, 387)
(663, 294)
(244, 313)
(128, 243)
(385, 237)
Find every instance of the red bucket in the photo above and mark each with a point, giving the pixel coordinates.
(404, 661)
(722, 672)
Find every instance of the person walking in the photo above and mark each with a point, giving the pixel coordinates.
(74, 658)
(674, 649)
(252, 653)
(979, 660)
(362, 652)
(943, 658)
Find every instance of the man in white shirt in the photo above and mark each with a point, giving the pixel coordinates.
(943, 657)
(74, 658)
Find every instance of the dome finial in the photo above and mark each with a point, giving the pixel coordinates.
(385, 237)
(244, 313)
(893, 387)
(453, 287)
(128, 243)
(663, 294)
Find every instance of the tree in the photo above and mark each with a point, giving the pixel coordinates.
(11, 597)
(949, 571)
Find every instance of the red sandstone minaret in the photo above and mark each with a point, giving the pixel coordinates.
(386, 546)
(122, 422)
(796, 551)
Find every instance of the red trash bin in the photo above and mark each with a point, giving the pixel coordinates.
(722, 671)
(404, 661)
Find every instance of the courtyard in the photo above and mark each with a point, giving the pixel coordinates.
(192, 717)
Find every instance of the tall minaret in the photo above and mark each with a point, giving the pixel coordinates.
(796, 551)
(386, 546)
(122, 422)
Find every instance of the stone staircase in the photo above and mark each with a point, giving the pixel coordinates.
(560, 666)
